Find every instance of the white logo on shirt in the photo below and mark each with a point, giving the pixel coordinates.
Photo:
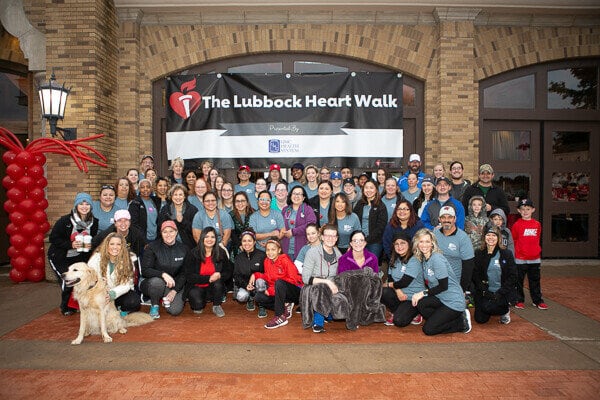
(530, 232)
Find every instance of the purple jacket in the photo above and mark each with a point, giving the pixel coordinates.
(347, 262)
(304, 216)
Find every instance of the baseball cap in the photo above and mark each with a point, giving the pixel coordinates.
(274, 166)
(335, 175)
(150, 156)
(414, 157)
(298, 166)
(168, 224)
(428, 179)
(486, 168)
(525, 202)
(244, 168)
(491, 229)
(349, 181)
(444, 179)
(447, 210)
(122, 214)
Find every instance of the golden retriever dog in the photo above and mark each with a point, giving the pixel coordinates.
(98, 316)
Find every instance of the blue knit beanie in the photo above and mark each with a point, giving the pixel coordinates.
(81, 197)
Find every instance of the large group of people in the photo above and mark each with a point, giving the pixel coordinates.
(437, 245)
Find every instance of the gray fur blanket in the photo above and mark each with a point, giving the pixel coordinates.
(357, 301)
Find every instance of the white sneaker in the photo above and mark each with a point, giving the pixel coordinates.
(505, 319)
(467, 321)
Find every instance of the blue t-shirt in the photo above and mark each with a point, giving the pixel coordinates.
(249, 189)
(310, 193)
(390, 205)
(324, 214)
(202, 220)
(413, 269)
(266, 224)
(121, 204)
(196, 202)
(151, 218)
(494, 273)
(437, 268)
(456, 248)
(346, 226)
(105, 218)
(411, 196)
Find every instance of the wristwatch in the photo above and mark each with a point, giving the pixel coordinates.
(425, 293)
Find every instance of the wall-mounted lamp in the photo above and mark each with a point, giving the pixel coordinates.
(53, 98)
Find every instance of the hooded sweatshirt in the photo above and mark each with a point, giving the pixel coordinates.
(474, 224)
(507, 239)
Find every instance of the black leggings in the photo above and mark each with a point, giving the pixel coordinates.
(285, 292)
(485, 308)
(199, 296)
(129, 302)
(439, 318)
(403, 311)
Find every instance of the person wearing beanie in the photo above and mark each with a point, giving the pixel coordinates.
(70, 242)
(495, 275)
(136, 239)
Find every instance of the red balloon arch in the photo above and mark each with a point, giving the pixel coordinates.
(26, 204)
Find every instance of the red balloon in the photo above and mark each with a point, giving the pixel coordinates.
(44, 227)
(40, 159)
(36, 194)
(25, 159)
(41, 183)
(32, 252)
(21, 263)
(16, 276)
(36, 171)
(38, 239)
(42, 204)
(15, 194)
(28, 206)
(13, 252)
(10, 206)
(18, 218)
(18, 241)
(39, 262)
(29, 229)
(39, 217)
(15, 171)
(26, 182)
(8, 182)
(8, 157)
(12, 229)
(35, 275)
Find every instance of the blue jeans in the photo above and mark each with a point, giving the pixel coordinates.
(319, 319)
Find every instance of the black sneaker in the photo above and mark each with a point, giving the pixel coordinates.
(467, 319)
(318, 329)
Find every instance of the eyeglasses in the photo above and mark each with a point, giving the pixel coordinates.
(358, 241)
(264, 200)
(226, 190)
(297, 194)
(329, 235)
(241, 201)
(281, 190)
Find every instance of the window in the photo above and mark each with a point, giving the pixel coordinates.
(571, 146)
(515, 93)
(573, 88)
(515, 185)
(511, 145)
(570, 227)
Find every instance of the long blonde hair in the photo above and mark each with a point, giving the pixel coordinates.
(123, 266)
(415, 245)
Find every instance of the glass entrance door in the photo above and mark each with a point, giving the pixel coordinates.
(571, 175)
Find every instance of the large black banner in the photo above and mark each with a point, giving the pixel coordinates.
(257, 119)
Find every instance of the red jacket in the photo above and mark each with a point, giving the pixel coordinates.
(281, 268)
(527, 235)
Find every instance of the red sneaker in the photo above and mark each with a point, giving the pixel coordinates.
(520, 305)
(541, 306)
(417, 320)
(389, 322)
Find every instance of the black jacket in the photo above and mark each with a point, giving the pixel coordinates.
(184, 228)
(508, 274)
(139, 215)
(60, 242)
(378, 219)
(160, 257)
(246, 264)
(495, 197)
(314, 202)
(191, 265)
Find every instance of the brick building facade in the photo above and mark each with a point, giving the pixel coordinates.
(111, 55)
